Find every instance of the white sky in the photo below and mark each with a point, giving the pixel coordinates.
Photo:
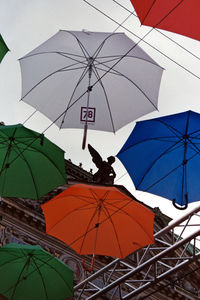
(25, 24)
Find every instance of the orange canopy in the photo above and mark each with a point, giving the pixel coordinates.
(99, 220)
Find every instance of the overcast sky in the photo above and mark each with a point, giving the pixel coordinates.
(25, 24)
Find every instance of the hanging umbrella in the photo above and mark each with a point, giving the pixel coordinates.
(3, 48)
(99, 220)
(162, 156)
(30, 164)
(92, 80)
(30, 273)
(179, 16)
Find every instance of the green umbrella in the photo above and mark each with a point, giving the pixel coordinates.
(30, 273)
(3, 48)
(30, 164)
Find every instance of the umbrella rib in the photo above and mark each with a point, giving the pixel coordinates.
(109, 218)
(81, 197)
(85, 71)
(158, 30)
(171, 148)
(70, 56)
(83, 236)
(21, 154)
(106, 97)
(79, 42)
(69, 213)
(6, 157)
(44, 154)
(146, 140)
(9, 143)
(166, 14)
(97, 51)
(174, 130)
(94, 195)
(122, 75)
(14, 259)
(119, 57)
(56, 271)
(127, 214)
(148, 12)
(40, 274)
(45, 78)
(18, 280)
(64, 54)
(153, 184)
(93, 228)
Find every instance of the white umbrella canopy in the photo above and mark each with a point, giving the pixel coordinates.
(94, 80)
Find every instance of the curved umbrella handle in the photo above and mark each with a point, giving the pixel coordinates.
(91, 267)
(181, 207)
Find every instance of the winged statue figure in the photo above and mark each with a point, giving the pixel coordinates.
(105, 173)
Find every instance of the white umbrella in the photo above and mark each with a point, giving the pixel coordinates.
(92, 80)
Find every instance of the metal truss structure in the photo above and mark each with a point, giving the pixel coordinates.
(146, 271)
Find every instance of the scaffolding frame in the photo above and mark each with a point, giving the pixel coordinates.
(176, 246)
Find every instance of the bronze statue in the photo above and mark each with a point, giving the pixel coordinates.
(106, 173)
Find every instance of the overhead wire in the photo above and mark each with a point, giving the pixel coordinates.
(142, 39)
(98, 79)
(160, 32)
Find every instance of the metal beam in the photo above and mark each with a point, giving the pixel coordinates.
(171, 252)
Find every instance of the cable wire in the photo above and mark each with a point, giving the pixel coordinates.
(142, 39)
(159, 31)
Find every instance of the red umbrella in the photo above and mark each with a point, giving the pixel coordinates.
(99, 220)
(179, 16)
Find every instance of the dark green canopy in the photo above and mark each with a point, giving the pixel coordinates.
(30, 273)
(30, 164)
(3, 48)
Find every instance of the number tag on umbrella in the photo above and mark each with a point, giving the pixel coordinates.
(88, 114)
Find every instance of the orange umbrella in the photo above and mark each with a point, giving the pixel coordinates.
(99, 220)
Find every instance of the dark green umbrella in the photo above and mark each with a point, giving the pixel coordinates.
(30, 164)
(30, 273)
(3, 48)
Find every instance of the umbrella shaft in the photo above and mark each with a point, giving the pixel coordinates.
(84, 136)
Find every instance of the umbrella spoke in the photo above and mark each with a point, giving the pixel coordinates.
(54, 269)
(121, 210)
(109, 218)
(96, 53)
(176, 166)
(18, 279)
(83, 49)
(23, 145)
(168, 150)
(115, 72)
(69, 105)
(31, 276)
(174, 130)
(106, 97)
(45, 78)
(87, 230)
(88, 237)
(93, 47)
(42, 279)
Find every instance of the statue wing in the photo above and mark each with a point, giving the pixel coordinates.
(96, 157)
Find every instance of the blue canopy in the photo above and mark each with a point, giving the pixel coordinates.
(162, 156)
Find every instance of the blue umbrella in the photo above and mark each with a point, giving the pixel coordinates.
(162, 156)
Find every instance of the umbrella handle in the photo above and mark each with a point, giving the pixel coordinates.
(84, 136)
(91, 267)
(181, 207)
